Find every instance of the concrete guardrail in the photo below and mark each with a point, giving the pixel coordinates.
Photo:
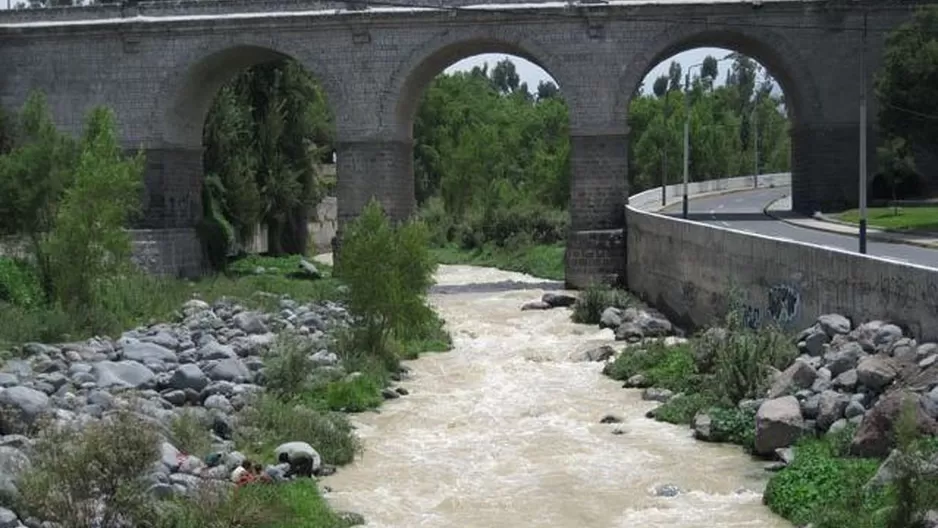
(687, 269)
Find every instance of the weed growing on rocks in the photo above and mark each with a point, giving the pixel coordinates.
(595, 299)
(82, 477)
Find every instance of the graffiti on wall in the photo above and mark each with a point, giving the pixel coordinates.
(782, 306)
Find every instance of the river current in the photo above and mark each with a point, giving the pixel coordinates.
(504, 431)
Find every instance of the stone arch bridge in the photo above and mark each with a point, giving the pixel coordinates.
(159, 64)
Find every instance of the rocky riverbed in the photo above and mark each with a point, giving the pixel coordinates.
(845, 374)
(208, 364)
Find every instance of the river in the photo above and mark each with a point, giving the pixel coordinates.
(503, 431)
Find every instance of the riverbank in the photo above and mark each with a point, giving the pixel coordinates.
(845, 414)
(545, 261)
(237, 373)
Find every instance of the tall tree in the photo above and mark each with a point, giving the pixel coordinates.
(674, 77)
(505, 76)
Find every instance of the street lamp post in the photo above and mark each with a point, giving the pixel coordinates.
(684, 205)
(863, 140)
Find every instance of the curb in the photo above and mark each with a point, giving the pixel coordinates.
(876, 235)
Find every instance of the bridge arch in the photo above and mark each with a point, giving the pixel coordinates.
(779, 56)
(188, 90)
(414, 75)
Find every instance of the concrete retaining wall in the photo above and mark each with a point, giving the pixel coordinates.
(687, 268)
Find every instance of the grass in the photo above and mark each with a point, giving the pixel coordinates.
(594, 300)
(824, 487)
(137, 299)
(664, 367)
(907, 219)
(545, 261)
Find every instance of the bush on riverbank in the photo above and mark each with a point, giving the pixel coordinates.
(592, 301)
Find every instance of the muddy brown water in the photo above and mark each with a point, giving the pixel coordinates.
(503, 431)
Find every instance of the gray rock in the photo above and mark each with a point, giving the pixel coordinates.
(601, 353)
(778, 424)
(854, 408)
(815, 341)
(844, 359)
(886, 335)
(325, 358)
(810, 406)
(163, 339)
(308, 270)
(176, 397)
(831, 406)
(928, 361)
(926, 349)
(559, 300)
(169, 456)
(13, 463)
(837, 426)
(188, 376)
(876, 372)
(232, 369)
(638, 381)
(847, 380)
(218, 402)
(8, 519)
(834, 324)
(147, 352)
(348, 518)
(535, 305)
(823, 381)
(250, 322)
(702, 425)
(610, 318)
(629, 331)
(667, 490)
(215, 350)
(8, 380)
(26, 404)
(128, 374)
(799, 375)
(656, 394)
(102, 398)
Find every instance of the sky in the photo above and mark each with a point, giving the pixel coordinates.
(533, 74)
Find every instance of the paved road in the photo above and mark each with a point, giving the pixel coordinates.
(744, 211)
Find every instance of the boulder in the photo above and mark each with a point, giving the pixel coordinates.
(799, 375)
(656, 394)
(875, 436)
(846, 381)
(814, 342)
(702, 426)
(558, 300)
(610, 318)
(23, 407)
(629, 331)
(188, 376)
(834, 324)
(601, 353)
(231, 369)
(844, 358)
(250, 323)
(778, 424)
(876, 372)
(127, 374)
(831, 406)
(535, 305)
(143, 352)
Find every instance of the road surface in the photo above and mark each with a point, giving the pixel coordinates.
(744, 211)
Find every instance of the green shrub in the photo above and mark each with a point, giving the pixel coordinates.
(189, 434)
(665, 367)
(19, 284)
(682, 408)
(268, 421)
(287, 366)
(593, 301)
(733, 425)
(819, 487)
(743, 361)
(80, 473)
(360, 393)
(88, 241)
